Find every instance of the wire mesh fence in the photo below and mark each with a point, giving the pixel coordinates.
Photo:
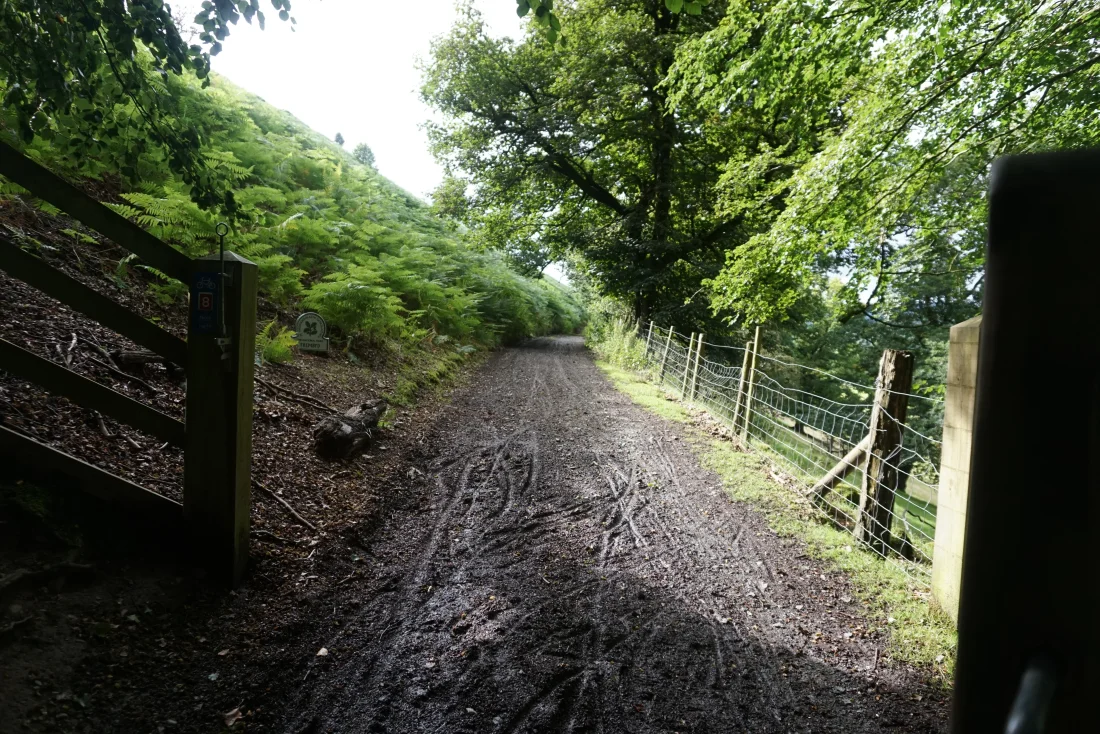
(824, 443)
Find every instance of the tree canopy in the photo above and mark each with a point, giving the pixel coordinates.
(924, 95)
(762, 161)
(364, 154)
(579, 150)
(73, 58)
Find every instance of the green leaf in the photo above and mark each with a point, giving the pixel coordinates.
(555, 24)
(522, 8)
(552, 35)
(693, 8)
(674, 6)
(283, 15)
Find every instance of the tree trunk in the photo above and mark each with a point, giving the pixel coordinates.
(880, 475)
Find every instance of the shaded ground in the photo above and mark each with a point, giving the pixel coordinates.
(538, 555)
(571, 568)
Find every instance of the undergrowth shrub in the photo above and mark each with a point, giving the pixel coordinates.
(326, 232)
(274, 342)
(612, 333)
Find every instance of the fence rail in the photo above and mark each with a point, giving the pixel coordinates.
(860, 463)
(218, 355)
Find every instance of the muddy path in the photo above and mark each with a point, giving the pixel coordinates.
(566, 565)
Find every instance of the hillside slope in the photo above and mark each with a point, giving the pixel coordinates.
(409, 298)
(405, 293)
(321, 226)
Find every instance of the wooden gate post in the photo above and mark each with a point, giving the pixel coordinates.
(747, 420)
(687, 367)
(695, 374)
(880, 473)
(217, 463)
(664, 357)
(954, 486)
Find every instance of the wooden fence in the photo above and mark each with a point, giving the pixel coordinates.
(852, 458)
(218, 355)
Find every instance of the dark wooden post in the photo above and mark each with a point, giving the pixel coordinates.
(218, 445)
(880, 473)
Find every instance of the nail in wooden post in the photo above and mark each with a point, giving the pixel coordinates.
(880, 473)
(741, 382)
(695, 374)
(687, 367)
(664, 357)
(217, 459)
(748, 391)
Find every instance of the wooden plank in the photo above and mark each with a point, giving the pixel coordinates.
(880, 475)
(55, 378)
(44, 463)
(217, 490)
(50, 187)
(71, 292)
(843, 468)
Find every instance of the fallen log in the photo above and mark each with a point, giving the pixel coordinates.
(143, 357)
(340, 436)
(139, 359)
(844, 467)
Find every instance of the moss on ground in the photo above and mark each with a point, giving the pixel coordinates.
(424, 372)
(920, 633)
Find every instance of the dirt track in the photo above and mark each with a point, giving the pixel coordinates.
(568, 566)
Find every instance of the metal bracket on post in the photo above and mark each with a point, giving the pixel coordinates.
(224, 340)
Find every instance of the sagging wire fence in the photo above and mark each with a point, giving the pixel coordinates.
(857, 459)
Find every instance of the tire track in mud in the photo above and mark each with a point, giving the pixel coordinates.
(578, 571)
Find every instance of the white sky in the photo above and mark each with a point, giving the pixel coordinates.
(349, 67)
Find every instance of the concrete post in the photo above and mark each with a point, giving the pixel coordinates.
(958, 427)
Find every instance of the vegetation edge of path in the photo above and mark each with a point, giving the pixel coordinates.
(918, 632)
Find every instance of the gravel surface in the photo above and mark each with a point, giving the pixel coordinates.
(536, 554)
(569, 567)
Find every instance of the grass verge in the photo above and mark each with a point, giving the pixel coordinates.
(919, 633)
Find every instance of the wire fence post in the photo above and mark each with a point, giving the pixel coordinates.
(648, 339)
(687, 368)
(695, 374)
(880, 473)
(747, 421)
(664, 358)
(739, 400)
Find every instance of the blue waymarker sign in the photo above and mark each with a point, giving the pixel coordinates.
(204, 303)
